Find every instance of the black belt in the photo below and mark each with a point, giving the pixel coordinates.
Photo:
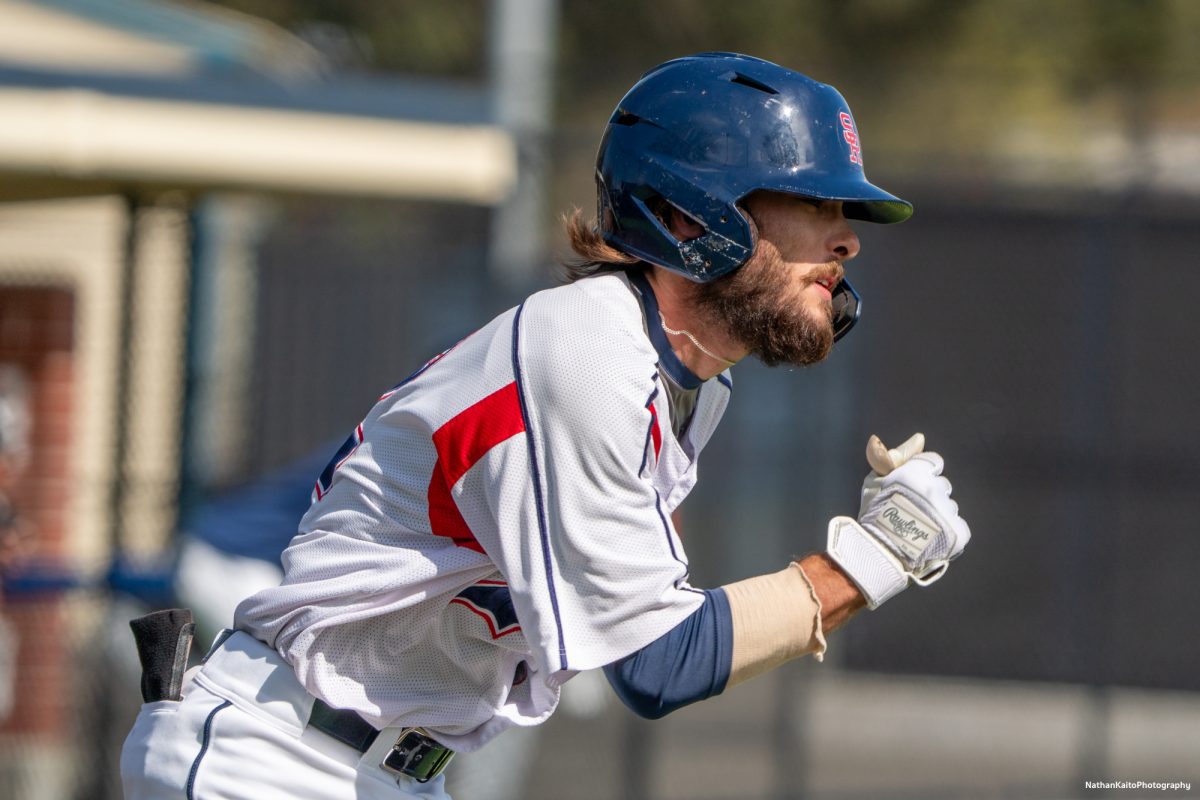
(414, 754)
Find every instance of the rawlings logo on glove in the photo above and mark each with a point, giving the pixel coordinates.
(911, 533)
(908, 528)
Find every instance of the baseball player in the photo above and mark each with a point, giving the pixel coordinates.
(501, 519)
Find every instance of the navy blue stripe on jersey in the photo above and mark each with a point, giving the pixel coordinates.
(649, 432)
(543, 529)
(690, 662)
(207, 737)
(493, 602)
(419, 371)
(724, 380)
(658, 337)
(325, 480)
(667, 529)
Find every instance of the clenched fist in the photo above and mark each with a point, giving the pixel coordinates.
(908, 528)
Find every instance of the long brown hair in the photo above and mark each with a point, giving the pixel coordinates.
(592, 255)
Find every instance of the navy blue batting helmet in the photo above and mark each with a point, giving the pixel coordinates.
(701, 133)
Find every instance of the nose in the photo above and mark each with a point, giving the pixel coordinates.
(843, 241)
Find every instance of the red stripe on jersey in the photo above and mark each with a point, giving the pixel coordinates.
(655, 433)
(460, 443)
(444, 517)
(488, 618)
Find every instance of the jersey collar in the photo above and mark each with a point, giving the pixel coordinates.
(669, 362)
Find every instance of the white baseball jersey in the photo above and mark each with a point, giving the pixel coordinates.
(497, 523)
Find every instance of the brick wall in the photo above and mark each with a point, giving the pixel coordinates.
(37, 341)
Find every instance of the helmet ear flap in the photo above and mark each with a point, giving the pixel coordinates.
(636, 219)
(606, 218)
(664, 211)
(655, 209)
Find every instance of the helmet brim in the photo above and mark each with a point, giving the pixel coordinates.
(862, 200)
(883, 212)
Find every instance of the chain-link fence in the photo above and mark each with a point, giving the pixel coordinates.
(1044, 353)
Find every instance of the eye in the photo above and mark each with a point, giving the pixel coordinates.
(824, 208)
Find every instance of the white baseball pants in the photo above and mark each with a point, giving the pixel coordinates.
(241, 733)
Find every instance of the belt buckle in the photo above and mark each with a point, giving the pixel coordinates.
(416, 756)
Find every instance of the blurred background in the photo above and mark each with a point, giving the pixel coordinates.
(226, 227)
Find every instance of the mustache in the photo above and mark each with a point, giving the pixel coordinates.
(831, 273)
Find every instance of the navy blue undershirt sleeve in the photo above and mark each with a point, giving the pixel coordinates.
(688, 663)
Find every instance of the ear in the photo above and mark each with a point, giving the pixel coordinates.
(683, 227)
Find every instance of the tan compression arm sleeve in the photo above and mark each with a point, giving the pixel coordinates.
(776, 618)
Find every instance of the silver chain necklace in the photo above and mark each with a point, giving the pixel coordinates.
(694, 341)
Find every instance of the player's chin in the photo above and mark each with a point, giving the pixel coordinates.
(798, 340)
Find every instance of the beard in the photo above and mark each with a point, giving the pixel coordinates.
(760, 307)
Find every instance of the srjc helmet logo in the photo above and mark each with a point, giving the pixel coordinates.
(850, 134)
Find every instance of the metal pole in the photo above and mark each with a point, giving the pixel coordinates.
(195, 295)
(1113, 243)
(523, 41)
(124, 369)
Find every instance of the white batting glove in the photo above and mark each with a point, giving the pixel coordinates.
(908, 528)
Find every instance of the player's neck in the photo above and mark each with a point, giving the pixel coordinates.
(703, 347)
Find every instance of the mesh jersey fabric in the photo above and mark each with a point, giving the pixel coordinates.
(499, 522)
